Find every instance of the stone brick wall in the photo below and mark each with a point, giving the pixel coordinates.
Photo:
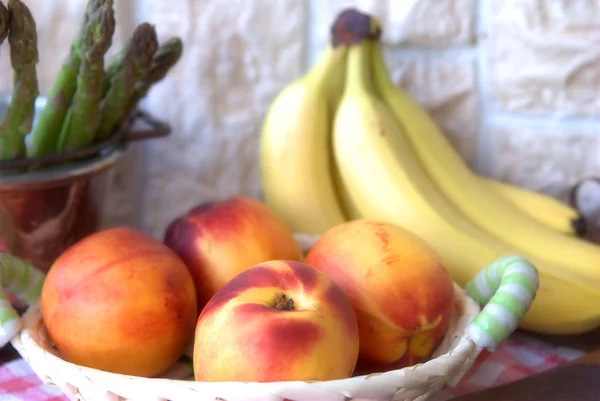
(514, 83)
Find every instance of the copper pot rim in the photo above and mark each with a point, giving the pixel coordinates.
(53, 170)
(60, 175)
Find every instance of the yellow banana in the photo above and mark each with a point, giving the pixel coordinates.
(335, 88)
(381, 178)
(295, 151)
(544, 208)
(492, 213)
(564, 304)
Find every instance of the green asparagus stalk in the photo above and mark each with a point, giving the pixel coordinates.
(136, 62)
(166, 57)
(44, 137)
(82, 119)
(4, 20)
(18, 119)
(114, 66)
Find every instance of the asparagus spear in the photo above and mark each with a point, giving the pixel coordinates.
(4, 20)
(136, 62)
(114, 66)
(18, 119)
(45, 134)
(166, 57)
(82, 119)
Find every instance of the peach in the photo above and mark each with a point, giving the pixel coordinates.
(120, 301)
(277, 321)
(402, 294)
(220, 239)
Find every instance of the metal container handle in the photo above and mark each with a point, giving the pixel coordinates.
(157, 129)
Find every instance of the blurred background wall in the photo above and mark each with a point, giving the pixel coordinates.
(514, 83)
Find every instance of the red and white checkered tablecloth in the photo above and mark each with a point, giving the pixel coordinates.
(519, 357)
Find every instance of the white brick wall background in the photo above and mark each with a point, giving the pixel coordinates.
(514, 83)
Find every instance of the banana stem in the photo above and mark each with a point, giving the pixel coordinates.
(321, 71)
(358, 68)
(352, 26)
(381, 75)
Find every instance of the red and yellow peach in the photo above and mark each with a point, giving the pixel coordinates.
(402, 294)
(277, 321)
(220, 239)
(120, 301)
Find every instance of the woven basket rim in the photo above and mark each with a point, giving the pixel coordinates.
(30, 344)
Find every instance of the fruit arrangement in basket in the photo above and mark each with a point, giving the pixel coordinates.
(397, 224)
(90, 99)
(231, 279)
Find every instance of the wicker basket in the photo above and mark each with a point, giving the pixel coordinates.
(451, 360)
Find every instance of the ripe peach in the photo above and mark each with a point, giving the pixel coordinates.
(276, 321)
(402, 294)
(120, 301)
(218, 240)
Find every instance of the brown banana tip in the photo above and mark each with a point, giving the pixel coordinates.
(353, 26)
(579, 225)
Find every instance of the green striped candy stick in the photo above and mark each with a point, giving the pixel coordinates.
(23, 280)
(507, 288)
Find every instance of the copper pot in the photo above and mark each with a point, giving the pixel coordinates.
(44, 212)
(48, 203)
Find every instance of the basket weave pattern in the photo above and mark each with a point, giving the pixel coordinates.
(451, 360)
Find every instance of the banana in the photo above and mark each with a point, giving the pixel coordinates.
(564, 305)
(492, 213)
(335, 88)
(547, 210)
(295, 150)
(381, 178)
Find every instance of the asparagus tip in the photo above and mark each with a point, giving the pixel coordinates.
(144, 45)
(22, 36)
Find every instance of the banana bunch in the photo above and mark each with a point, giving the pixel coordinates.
(344, 142)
